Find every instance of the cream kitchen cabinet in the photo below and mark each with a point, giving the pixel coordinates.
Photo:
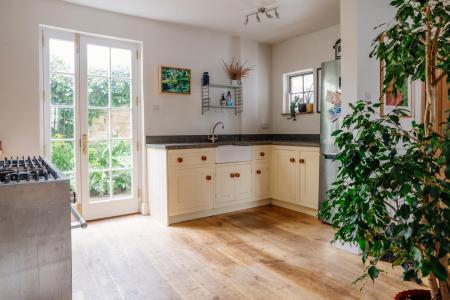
(233, 183)
(261, 180)
(190, 189)
(309, 179)
(186, 184)
(295, 175)
(285, 174)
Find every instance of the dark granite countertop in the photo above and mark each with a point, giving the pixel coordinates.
(192, 142)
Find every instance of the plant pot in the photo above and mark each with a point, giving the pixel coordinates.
(301, 107)
(309, 107)
(413, 295)
(235, 82)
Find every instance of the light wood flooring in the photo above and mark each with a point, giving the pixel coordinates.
(262, 253)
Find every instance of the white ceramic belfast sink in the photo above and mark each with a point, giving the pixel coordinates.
(231, 154)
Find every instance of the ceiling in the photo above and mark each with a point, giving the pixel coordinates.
(296, 16)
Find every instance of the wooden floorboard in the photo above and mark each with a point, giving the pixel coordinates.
(261, 253)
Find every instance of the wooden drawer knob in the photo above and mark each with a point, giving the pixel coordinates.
(238, 175)
(262, 154)
(232, 175)
(208, 177)
(258, 171)
(180, 159)
(204, 157)
(292, 160)
(301, 160)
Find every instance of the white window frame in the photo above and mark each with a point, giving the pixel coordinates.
(287, 87)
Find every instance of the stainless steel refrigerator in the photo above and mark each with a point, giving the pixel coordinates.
(330, 120)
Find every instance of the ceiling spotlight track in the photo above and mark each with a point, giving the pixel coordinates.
(270, 13)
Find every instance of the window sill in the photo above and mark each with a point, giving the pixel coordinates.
(299, 113)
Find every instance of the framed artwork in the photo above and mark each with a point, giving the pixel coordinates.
(318, 89)
(174, 80)
(404, 98)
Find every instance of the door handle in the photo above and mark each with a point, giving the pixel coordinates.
(292, 160)
(84, 143)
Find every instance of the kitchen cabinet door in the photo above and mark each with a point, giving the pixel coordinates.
(261, 181)
(285, 173)
(225, 178)
(190, 190)
(309, 179)
(243, 182)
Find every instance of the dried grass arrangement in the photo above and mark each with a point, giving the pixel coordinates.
(236, 70)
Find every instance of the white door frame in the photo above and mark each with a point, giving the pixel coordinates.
(138, 144)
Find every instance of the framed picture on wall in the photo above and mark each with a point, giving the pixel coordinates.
(403, 98)
(318, 88)
(173, 80)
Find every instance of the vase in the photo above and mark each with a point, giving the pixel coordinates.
(413, 295)
(309, 107)
(301, 107)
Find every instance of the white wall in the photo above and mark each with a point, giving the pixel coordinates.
(360, 73)
(300, 53)
(163, 43)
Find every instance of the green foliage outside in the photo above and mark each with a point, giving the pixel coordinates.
(62, 126)
(175, 80)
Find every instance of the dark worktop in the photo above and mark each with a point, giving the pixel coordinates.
(200, 141)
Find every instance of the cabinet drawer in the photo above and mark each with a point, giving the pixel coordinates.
(261, 153)
(190, 157)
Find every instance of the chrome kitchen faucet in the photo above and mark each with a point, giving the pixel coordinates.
(213, 137)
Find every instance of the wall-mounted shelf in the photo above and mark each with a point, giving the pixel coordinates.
(238, 106)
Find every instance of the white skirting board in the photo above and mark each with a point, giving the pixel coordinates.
(217, 211)
(302, 209)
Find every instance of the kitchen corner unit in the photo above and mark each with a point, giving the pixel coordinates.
(191, 183)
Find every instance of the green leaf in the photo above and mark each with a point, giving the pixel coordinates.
(373, 272)
(438, 269)
(362, 244)
(417, 256)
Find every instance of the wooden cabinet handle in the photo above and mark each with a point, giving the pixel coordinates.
(232, 175)
(238, 175)
(292, 160)
(258, 172)
(180, 159)
(262, 154)
(301, 160)
(208, 177)
(204, 158)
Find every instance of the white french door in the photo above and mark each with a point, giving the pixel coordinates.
(91, 120)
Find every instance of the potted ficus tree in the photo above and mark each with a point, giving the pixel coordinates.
(392, 193)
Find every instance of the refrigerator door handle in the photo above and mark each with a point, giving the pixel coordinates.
(329, 156)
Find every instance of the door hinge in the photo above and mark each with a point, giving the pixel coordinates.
(138, 145)
(45, 150)
(77, 42)
(43, 40)
(139, 193)
(43, 95)
(137, 100)
(137, 54)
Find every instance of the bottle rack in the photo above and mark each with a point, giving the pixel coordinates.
(238, 105)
